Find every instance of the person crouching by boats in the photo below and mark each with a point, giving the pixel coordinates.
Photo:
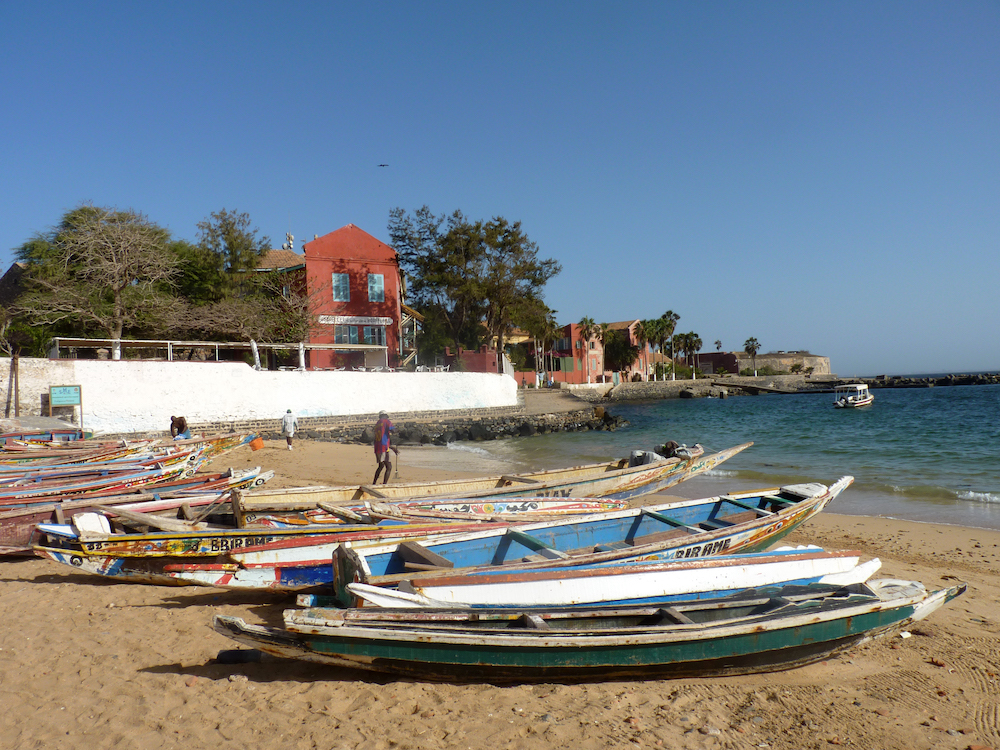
(179, 429)
(289, 424)
(382, 447)
(669, 449)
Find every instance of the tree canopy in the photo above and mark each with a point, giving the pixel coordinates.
(470, 273)
(100, 269)
(106, 273)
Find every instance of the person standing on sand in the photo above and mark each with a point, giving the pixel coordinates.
(289, 424)
(382, 447)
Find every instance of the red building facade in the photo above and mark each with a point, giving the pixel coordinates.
(353, 282)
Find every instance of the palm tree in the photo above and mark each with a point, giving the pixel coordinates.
(587, 328)
(718, 345)
(694, 346)
(603, 331)
(670, 319)
(751, 346)
(644, 333)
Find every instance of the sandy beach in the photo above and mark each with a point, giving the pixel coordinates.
(87, 663)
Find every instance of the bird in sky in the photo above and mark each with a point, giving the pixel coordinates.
(383, 165)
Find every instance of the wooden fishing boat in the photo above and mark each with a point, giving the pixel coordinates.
(516, 510)
(273, 557)
(725, 524)
(197, 491)
(19, 496)
(757, 631)
(642, 580)
(643, 473)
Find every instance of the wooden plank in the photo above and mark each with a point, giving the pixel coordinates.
(418, 555)
(537, 544)
(669, 614)
(664, 536)
(345, 514)
(511, 478)
(611, 546)
(148, 519)
(663, 518)
(746, 506)
(372, 491)
(60, 516)
(780, 501)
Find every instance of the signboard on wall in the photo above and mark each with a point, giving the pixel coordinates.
(66, 395)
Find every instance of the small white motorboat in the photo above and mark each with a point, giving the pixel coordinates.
(852, 396)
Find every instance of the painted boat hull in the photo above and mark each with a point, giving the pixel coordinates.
(17, 525)
(635, 581)
(760, 634)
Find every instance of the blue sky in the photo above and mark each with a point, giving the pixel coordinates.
(821, 176)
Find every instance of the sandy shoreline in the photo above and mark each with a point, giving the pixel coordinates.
(86, 663)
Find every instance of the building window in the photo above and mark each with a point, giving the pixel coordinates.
(374, 335)
(376, 287)
(341, 287)
(345, 334)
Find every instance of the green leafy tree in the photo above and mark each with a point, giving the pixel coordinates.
(619, 354)
(444, 266)
(229, 235)
(514, 275)
(751, 346)
(101, 271)
(472, 271)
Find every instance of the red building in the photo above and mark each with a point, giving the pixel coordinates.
(353, 282)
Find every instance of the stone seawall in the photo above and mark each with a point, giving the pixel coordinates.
(438, 428)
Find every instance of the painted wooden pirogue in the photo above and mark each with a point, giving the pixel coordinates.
(430, 510)
(642, 474)
(151, 558)
(294, 558)
(196, 491)
(758, 631)
(725, 524)
(644, 580)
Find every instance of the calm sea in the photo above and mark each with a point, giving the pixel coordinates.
(925, 454)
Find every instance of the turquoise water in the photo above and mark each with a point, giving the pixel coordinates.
(926, 454)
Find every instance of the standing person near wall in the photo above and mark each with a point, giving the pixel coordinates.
(289, 424)
(179, 429)
(382, 447)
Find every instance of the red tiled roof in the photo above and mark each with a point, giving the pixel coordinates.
(277, 259)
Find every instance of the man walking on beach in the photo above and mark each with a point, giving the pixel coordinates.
(382, 447)
(289, 424)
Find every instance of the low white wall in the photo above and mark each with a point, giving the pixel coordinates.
(131, 396)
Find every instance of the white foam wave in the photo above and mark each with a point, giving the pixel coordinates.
(980, 497)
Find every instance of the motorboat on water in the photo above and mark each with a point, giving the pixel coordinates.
(852, 396)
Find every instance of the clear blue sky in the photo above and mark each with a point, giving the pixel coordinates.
(817, 175)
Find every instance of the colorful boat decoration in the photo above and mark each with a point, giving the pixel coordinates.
(17, 525)
(725, 524)
(757, 631)
(243, 558)
(643, 473)
(428, 510)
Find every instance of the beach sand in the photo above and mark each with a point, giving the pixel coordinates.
(88, 663)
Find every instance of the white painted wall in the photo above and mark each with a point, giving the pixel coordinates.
(140, 396)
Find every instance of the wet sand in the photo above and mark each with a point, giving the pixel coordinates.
(88, 663)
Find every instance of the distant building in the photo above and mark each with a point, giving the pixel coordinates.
(355, 291)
